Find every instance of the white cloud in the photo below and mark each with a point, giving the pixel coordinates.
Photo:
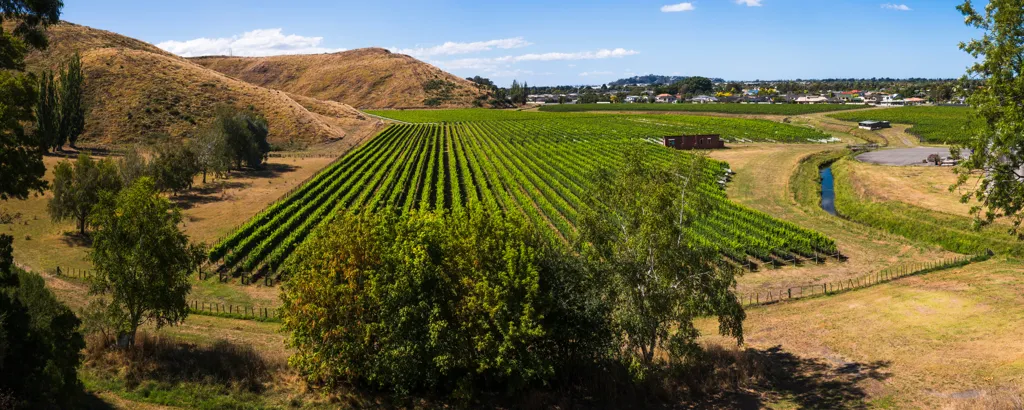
(452, 48)
(673, 8)
(749, 3)
(263, 42)
(594, 73)
(900, 7)
(495, 64)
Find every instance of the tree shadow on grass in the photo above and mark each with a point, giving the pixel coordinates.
(208, 193)
(76, 239)
(810, 383)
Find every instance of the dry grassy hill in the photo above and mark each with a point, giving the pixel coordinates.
(363, 78)
(135, 90)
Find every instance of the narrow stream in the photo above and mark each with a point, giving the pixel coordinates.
(828, 192)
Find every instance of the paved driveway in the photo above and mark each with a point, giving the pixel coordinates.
(904, 156)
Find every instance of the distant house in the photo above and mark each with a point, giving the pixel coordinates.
(665, 98)
(688, 142)
(873, 125)
(634, 99)
(703, 99)
(812, 99)
(914, 101)
(892, 101)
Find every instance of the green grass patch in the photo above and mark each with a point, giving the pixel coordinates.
(940, 125)
(769, 109)
(952, 232)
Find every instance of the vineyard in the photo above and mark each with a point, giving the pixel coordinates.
(943, 125)
(535, 168)
(731, 129)
(765, 109)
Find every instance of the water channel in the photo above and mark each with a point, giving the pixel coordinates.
(828, 192)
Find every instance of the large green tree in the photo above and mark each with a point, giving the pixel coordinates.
(142, 259)
(78, 187)
(663, 275)
(174, 167)
(48, 112)
(997, 162)
(434, 301)
(245, 134)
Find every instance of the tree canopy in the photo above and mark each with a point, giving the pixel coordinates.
(997, 161)
(78, 187)
(142, 259)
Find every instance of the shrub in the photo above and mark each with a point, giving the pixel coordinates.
(442, 302)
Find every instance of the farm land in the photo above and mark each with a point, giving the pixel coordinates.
(921, 341)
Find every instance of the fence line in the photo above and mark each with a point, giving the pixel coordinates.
(830, 288)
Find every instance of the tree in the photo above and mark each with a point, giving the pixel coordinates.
(132, 166)
(40, 343)
(77, 188)
(641, 232)
(174, 167)
(72, 106)
(245, 133)
(212, 154)
(439, 301)
(142, 259)
(997, 161)
(48, 112)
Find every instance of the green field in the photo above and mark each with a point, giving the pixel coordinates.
(730, 108)
(940, 125)
(648, 126)
(535, 168)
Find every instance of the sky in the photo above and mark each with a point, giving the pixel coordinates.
(569, 42)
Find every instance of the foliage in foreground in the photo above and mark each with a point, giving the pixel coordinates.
(39, 340)
(142, 259)
(475, 299)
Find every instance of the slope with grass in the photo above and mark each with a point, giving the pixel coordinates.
(362, 78)
(768, 109)
(134, 90)
(937, 125)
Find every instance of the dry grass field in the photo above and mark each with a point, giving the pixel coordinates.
(363, 78)
(951, 339)
(923, 186)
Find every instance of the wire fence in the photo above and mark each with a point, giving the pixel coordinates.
(831, 288)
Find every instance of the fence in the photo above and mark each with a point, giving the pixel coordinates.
(73, 273)
(831, 288)
(232, 310)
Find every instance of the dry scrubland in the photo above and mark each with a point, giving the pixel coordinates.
(134, 90)
(363, 78)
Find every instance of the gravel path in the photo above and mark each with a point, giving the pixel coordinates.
(904, 156)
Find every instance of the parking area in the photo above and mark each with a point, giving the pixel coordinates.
(905, 156)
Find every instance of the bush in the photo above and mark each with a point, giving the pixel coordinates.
(427, 301)
(39, 340)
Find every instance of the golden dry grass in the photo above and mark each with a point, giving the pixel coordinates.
(923, 186)
(363, 78)
(134, 90)
(951, 339)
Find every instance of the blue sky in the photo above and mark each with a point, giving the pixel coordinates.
(570, 42)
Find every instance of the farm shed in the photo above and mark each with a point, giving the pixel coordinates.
(688, 142)
(873, 125)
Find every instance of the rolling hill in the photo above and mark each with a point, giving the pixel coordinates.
(135, 90)
(363, 78)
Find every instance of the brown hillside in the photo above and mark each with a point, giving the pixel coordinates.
(363, 78)
(134, 90)
(67, 38)
(132, 94)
